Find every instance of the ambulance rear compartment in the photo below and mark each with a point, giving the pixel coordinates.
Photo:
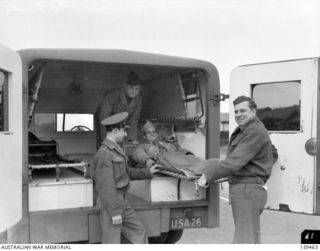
(63, 97)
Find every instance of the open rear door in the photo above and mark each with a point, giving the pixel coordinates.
(10, 138)
(285, 93)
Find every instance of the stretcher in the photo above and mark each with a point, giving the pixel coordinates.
(43, 155)
(57, 162)
(55, 181)
(185, 174)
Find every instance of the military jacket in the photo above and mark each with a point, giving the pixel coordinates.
(112, 175)
(249, 155)
(115, 101)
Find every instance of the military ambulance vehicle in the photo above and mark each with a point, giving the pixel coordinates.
(47, 141)
(288, 100)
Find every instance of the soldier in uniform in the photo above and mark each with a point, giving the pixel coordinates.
(121, 99)
(151, 151)
(248, 167)
(165, 152)
(111, 175)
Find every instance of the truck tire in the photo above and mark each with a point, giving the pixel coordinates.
(159, 239)
(174, 236)
(170, 237)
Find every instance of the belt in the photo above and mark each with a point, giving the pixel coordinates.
(246, 180)
(122, 191)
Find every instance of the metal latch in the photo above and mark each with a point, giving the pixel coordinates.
(215, 98)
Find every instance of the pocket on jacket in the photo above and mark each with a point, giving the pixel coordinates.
(119, 168)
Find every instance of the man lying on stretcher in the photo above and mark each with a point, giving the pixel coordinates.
(165, 153)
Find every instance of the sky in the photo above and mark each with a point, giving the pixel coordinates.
(226, 33)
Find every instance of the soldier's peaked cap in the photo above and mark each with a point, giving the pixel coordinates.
(118, 118)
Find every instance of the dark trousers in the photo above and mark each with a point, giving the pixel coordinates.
(131, 228)
(247, 202)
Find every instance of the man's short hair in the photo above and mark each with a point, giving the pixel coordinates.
(133, 79)
(242, 98)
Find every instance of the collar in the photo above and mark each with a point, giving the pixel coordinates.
(254, 120)
(110, 144)
(123, 95)
(124, 98)
(113, 146)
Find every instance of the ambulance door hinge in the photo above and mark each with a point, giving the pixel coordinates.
(215, 98)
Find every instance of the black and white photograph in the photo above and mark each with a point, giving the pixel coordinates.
(159, 122)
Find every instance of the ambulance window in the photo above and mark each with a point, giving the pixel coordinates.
(191, 94)
(72, 122)
(3, 101)
(278, 105)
